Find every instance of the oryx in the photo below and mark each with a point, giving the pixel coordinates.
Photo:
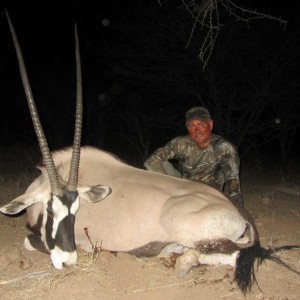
(101, 199)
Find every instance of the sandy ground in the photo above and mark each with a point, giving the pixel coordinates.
(30, 275)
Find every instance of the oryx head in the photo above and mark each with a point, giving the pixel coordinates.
(61, 205)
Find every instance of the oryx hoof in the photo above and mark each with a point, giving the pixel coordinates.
(181, 271)
(185, 263)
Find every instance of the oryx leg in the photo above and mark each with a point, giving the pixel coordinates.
(193, 257)
(223, 252)
(185, 262)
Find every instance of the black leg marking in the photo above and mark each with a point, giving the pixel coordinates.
(218, 246)
(149, 250)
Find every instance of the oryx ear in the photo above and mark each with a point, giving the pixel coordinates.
(19, 204)
(94, 193)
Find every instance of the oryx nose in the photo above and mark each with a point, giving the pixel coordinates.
(61, 259)
(66, 265)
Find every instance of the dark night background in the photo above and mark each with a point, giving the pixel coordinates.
(139, 78)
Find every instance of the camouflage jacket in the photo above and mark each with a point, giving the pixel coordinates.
(217, 165)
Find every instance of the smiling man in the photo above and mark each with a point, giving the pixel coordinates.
(202, 156)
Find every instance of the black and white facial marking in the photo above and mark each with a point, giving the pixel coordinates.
(58, 228)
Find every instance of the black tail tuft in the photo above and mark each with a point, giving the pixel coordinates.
(244, 272)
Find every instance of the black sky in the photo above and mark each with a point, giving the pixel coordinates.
(46, 33)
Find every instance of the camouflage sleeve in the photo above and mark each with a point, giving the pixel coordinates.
(232, 190)
(155, 161)
(231, 167)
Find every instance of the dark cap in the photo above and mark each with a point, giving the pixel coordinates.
(197, 113)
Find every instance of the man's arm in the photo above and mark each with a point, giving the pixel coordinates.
(232, 190)
(231, 166)
(155, 162)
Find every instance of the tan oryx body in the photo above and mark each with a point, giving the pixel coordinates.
(144, 206)
(146, 213)
(86, 197)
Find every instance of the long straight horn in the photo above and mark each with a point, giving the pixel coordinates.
(47, 157)
(74, 168)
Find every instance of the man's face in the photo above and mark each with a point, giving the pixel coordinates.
(200, 132)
